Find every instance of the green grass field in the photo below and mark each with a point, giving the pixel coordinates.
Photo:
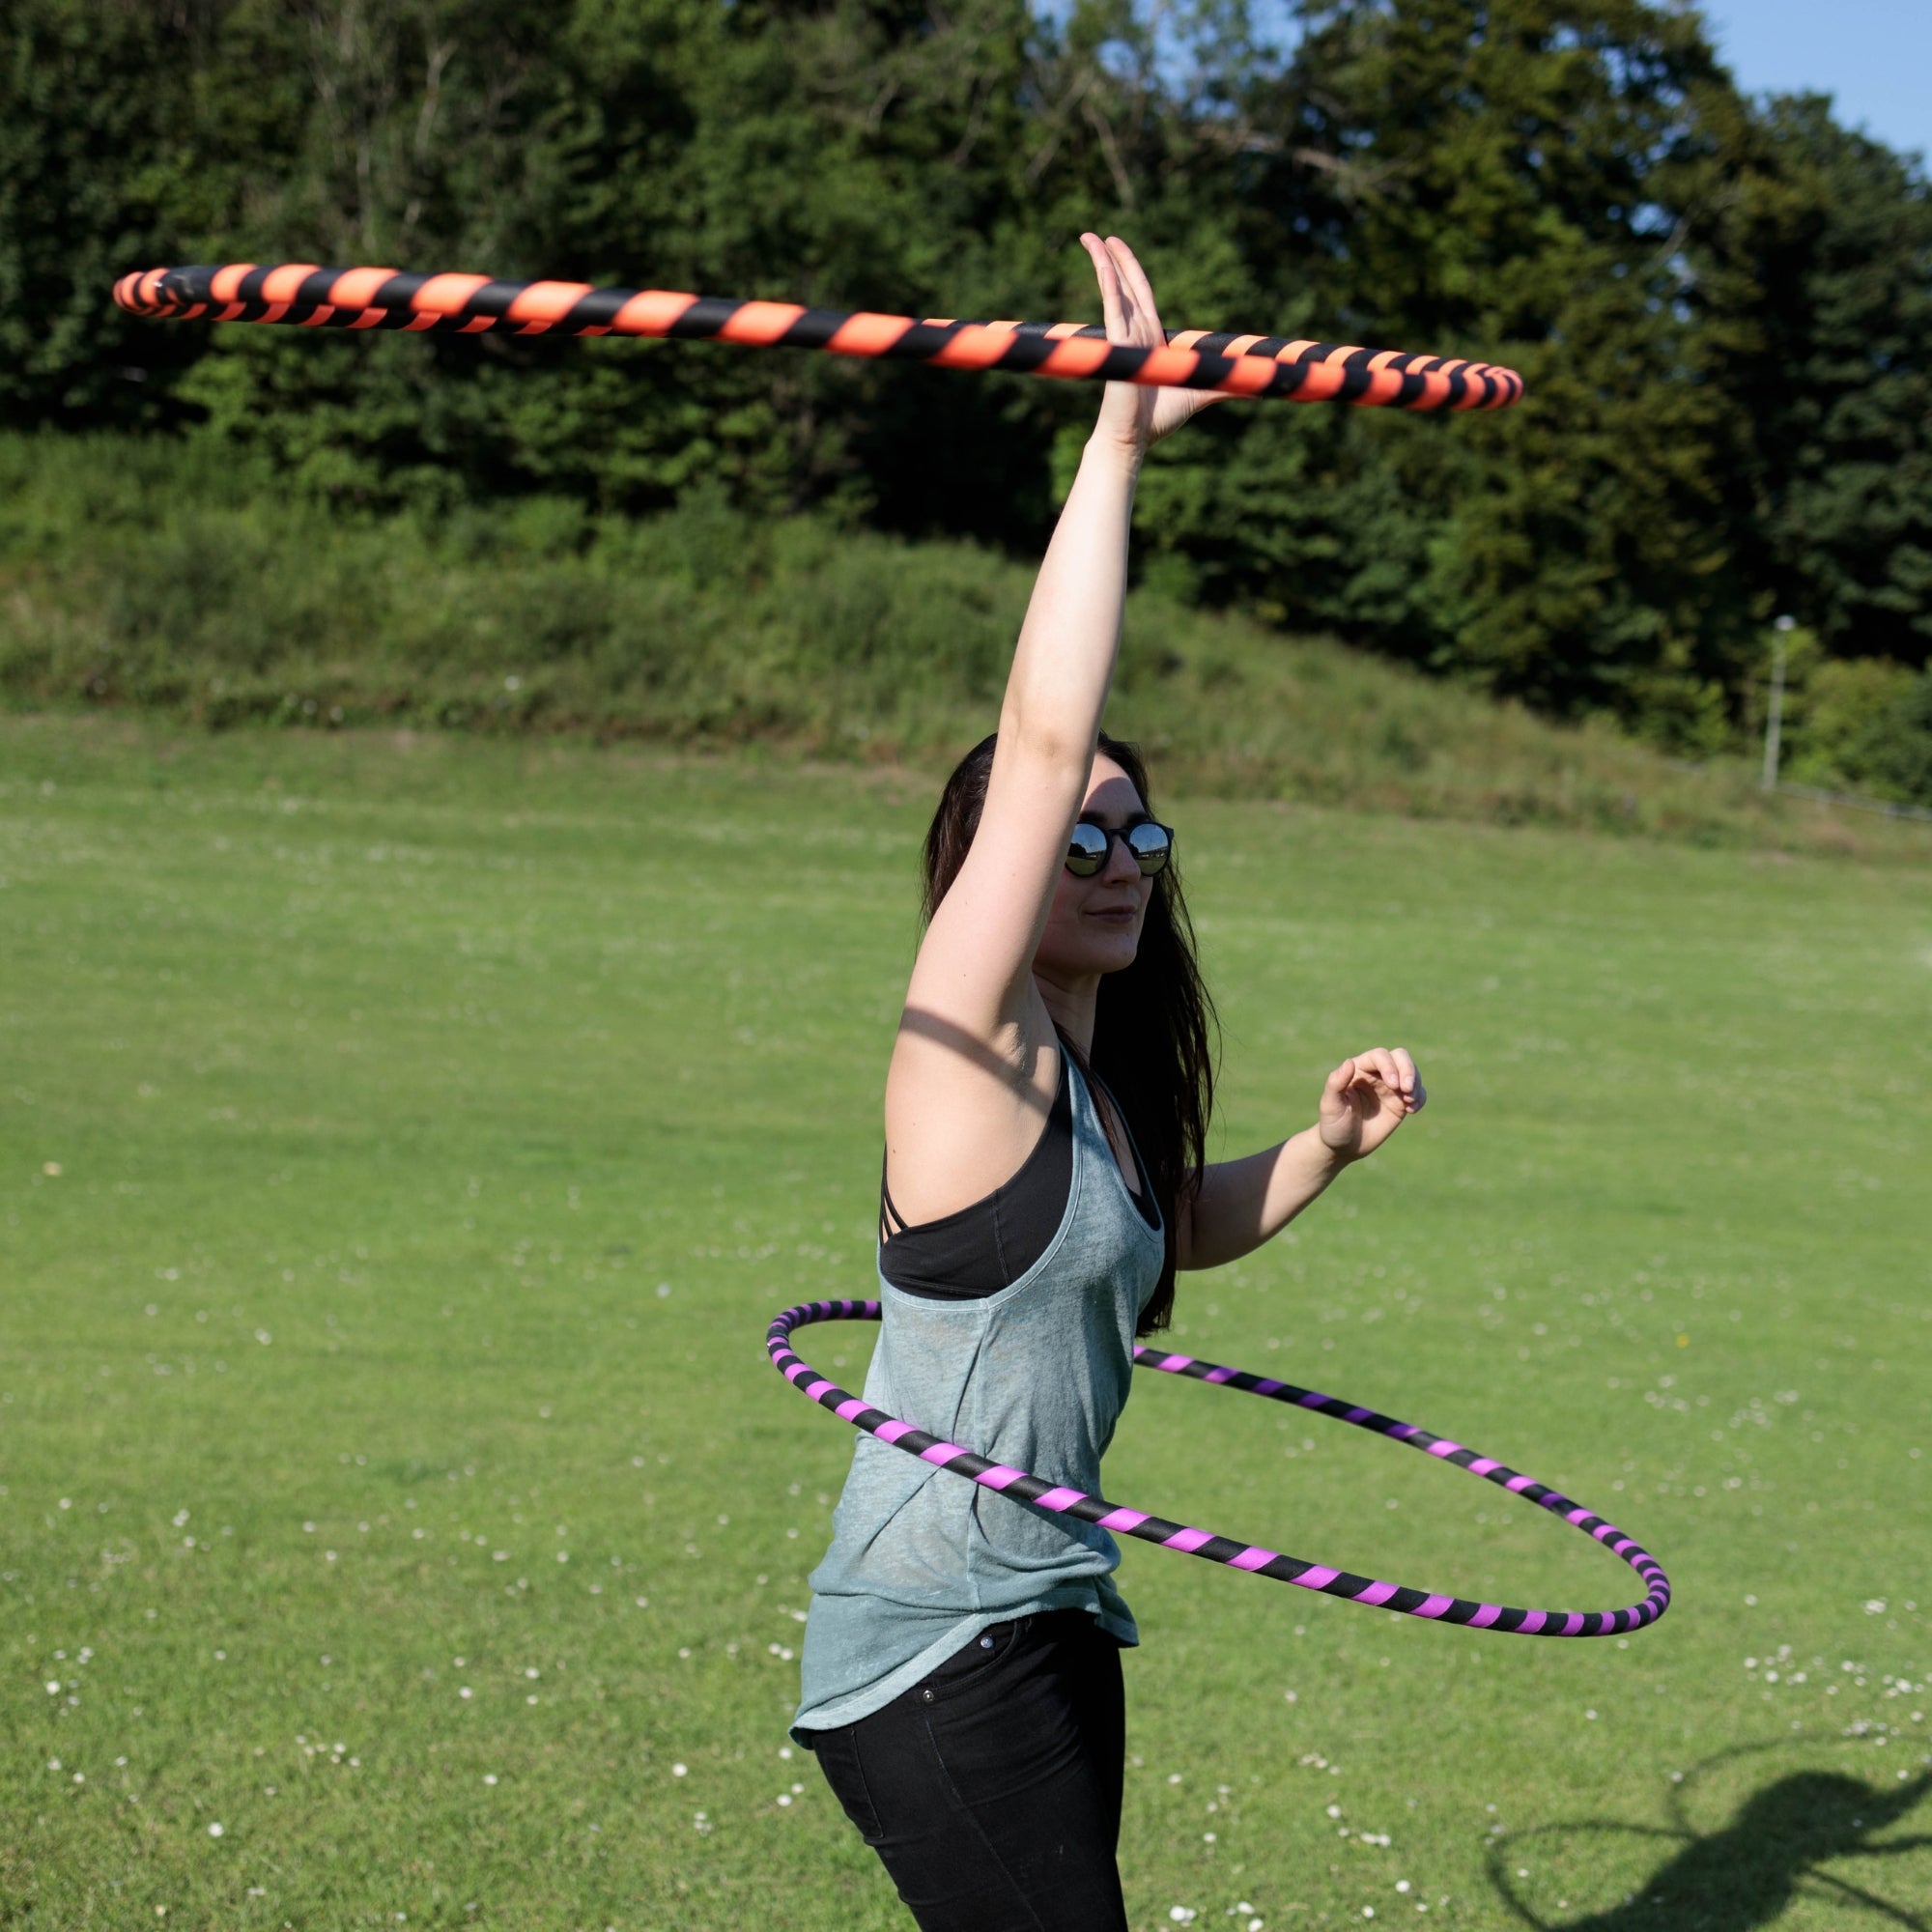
(405, 1141)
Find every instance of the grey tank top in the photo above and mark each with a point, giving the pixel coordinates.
(1036, 1377)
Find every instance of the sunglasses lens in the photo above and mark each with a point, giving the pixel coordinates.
(1151, 844)
(1087, 850)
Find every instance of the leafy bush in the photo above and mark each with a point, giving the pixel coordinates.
(1863, 724)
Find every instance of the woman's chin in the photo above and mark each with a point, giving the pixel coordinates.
(1100, 953)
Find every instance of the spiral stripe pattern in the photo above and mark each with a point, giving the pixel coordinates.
(306, 295)
(1204, 1543)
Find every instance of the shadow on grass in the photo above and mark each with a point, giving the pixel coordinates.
(1746, 1873)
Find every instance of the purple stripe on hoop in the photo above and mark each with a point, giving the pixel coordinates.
(1532, 1622)
(1403, 1430)
(1483, 1464)
(1572, 1623)
(1432, 1606)
(1443, 1447)
(850, 1408)
(1376, 1593)
(1220, 1374)
(1359, 1415)
(891, 1431)
(1058, 1499)
(1577, 1516)
(1124, 1519)
(1316, 1576)
(1485, 1616)
(1187, 1539)
(1174, 1363)
(1519, 1483)
(1253, 1557)
(1314, 1399)
(942, 1451)
(998, 1478)
(1266, 1386)
(819, 1388)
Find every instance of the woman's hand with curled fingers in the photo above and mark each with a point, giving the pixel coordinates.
(1367, 1098)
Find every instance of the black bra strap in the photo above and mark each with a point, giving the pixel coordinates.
(888, 1212)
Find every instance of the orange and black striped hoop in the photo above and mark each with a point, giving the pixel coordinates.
(305, 295)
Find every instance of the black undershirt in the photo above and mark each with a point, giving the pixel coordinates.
(979, 1250)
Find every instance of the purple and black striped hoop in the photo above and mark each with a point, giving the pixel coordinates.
(1395, 1597)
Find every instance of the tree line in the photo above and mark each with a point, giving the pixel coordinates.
(1723, 305)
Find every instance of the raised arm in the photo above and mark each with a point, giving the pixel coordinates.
(972, 1069)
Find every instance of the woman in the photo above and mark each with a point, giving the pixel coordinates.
(1045, 1113)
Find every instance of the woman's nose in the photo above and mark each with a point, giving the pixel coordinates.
(1123, 867)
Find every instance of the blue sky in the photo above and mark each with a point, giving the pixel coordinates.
(1875, 56)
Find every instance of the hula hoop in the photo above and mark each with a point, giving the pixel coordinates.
(306, 296)
(1203, 1542)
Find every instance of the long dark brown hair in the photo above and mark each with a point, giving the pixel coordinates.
(1154, 1027)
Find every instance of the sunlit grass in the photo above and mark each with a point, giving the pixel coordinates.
(404, 1145)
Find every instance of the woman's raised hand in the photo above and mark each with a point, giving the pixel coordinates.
(1131, 412)
(1367, 1098)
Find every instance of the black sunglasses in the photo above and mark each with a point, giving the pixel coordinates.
(1148, 845)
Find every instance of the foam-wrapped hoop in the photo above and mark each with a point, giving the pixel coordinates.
(1397, 1596)
(306, 295)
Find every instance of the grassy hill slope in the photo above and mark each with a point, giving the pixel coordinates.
(174, 578)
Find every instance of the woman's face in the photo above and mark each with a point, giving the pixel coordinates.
(1093, 925)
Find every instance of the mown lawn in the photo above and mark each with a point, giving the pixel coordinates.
(404, 1143)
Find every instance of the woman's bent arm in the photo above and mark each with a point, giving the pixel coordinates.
(1240, 1204)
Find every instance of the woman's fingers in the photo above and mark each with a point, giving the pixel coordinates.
(1392, 1069)
(1133, 278)
(1113, 307)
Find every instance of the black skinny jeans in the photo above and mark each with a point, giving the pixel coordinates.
(991, 1791)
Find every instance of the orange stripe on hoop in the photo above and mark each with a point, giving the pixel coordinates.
(977, 346)
(1083, 355)
(1320, 382)
(651, 312)
(225, 285)
(445, 294)
(1163, 365)
(1434, 388)
(368, 318)
(1384, 382)
(283, 282)
(545, 302)
(867, 334)
(1248, 376)
(355, 288)
(761, 323)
